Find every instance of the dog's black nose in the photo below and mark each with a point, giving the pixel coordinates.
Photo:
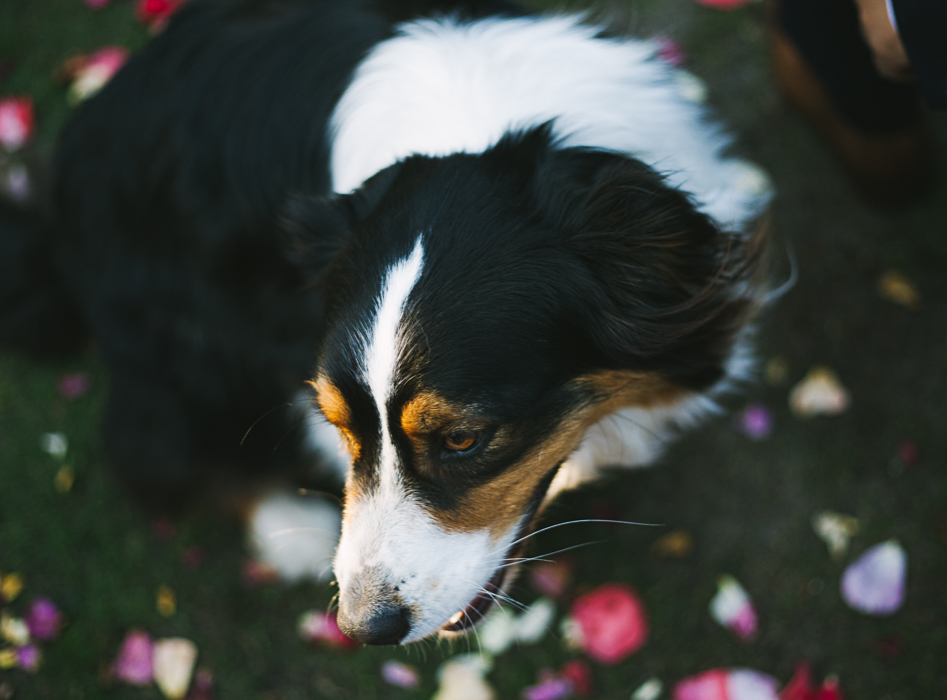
(383, 625)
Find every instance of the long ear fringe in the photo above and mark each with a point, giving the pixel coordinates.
(668, 290)
(314, 229)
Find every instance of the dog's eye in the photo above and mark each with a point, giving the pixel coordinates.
(461, 440)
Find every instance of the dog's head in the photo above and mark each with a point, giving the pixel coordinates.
(483, 311)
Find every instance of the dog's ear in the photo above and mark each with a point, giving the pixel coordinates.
(316, 227)
(659, 287)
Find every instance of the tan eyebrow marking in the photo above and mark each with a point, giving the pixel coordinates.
(336, 410)
(428, 412)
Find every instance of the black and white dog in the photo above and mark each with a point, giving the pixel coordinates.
(506, 251)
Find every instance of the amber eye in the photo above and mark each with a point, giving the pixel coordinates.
(461, 440)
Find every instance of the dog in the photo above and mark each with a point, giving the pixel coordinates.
(504, 251)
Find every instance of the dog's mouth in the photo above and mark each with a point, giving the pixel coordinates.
(484, 601)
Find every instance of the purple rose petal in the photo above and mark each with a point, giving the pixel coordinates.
(72, 386)
(134, 664)
(551, 688)
(399, 674)
(28, 657)
(44, 620)
(874, 584)
(756, 422)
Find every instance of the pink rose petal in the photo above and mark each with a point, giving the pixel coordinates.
(612, 622)
(73, 385)
(874, 584)
(732, 608)
(755, 421)
(671, 51)
(400, 675)
(95, 70)
(318, 626)
(710, 685)
(134, 665)
(44, 620)
(16, 122)
(552, 578)
(155, 12)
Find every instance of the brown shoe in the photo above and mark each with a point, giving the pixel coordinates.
(891, 171)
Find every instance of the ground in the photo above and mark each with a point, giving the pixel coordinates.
(747, 504)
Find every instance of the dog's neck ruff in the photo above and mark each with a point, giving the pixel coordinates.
(443, 86)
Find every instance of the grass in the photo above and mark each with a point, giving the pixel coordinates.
(747, 505)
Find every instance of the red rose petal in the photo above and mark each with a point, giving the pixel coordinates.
(16, 122)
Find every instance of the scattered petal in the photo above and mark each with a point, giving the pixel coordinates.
(709, 685)
(651, 689)
(552, 578)
(724, 684)
(318, 626)
(724, 4)
(400, 674)
(134, 664)
(579, 674)
(732, 608)
(174, 659)
(55, 444)
(777, 371)
(64, 479)
(549, 687)
(73, 385)
(747, 684)
(96, 4)
(690, 87)
(677, 544)
(10, 586)
(256, 573)
(203, 686)
(154, 13)
(532, 625)
(819, 393)
(671, 51)
(755, 421)
(461, 678)
(16, 184)
(874, 584)
(894, 286)
(44, 620)
(611, 622)
(92, 72)
(16, 122)
(166, 601)
(14, 630)
(8, 658)
(800, 686)
(835, 530)
(28, 658)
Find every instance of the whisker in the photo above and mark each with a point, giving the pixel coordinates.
(291, 530)
(559, 551)
(288, 404)
(574, 522)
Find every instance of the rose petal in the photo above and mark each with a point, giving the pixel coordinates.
(16, 183)
(552, 688)
(152, 12)
(755, 421)
(8, 658)
(174, 659)
(649, 690)
(674, 545)
(400, 675)
(95, 71)
(14, 630)
(73, 385)
(874, 584)
(552, 578)
(533, 623)
(799, 686)
(896, 287)
(747, 684)
(709, 685)
(611, 621)
(671, 51)
(44, 619)
(835, 530)
(166, 602)
(579, 674)
(318, 626)
(16, 122)
(203, 686)
(134, 664)
(732, 608)
(55, 444)
(819, 393)
(28, 658)
(10, 586)
(461, 678)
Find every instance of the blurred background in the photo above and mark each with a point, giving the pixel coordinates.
(737, 497)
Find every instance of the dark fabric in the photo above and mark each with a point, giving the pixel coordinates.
(828, 35)
(922, 25)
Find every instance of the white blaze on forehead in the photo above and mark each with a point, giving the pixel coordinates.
(384, 347)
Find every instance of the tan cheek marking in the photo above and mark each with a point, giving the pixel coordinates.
(498, 505)
(336, 411)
